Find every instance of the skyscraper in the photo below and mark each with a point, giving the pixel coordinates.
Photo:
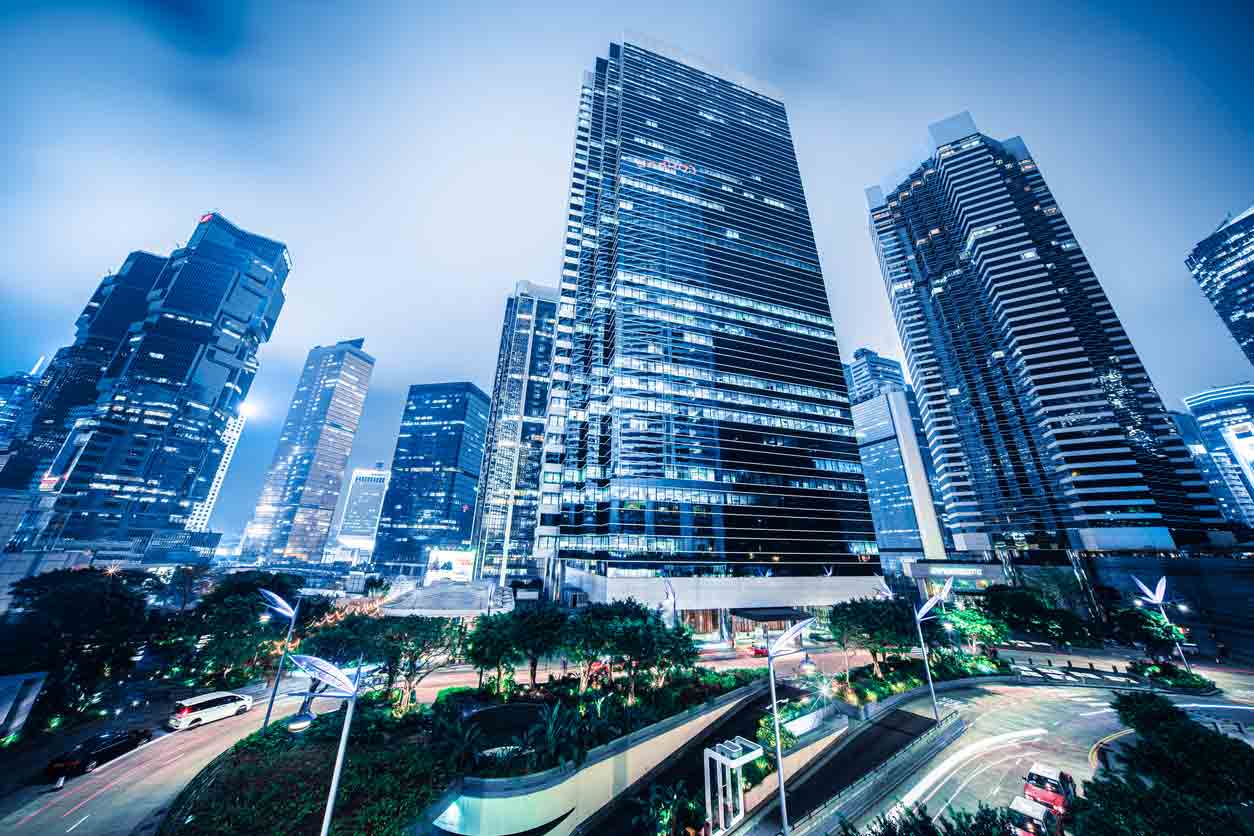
(149, 450)
(68, 388)
(699, 424)
(430, 500)
(354, 541)
(17, 406)
(1225, 426)
(509, 486)
(1223, 265)
(870, 374)
(1045, 428)
(302, 487)
(198, 520)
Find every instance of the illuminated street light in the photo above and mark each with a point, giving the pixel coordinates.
(919, 618)
(342, 687)
(778, 648)
(274, 602)
(1156, 597)
(807, 666)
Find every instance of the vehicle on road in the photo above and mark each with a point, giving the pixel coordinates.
(96, 750)
(1031, 818)
(196, 711)
(1050, 786)
(759, 650)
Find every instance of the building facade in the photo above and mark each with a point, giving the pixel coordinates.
(198, 520)
(1045, 428)
(430, 500)
(302, 488)
(509, 488)
(1223, 266)
(17, 405)
(870, 375)
(1225, 428)
(699, 440)
(148, 452)
(354, 540)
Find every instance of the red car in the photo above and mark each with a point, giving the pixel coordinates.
(758, 650)
(1049, 786)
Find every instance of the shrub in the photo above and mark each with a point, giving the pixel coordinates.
(1171, 676)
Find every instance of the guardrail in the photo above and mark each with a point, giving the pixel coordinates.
(856, 798)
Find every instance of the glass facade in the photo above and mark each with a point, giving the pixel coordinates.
(699, 421)
(302, 488)
(198, 520)
(870, 374)
(17, 406)
(1223, 265)
(1224, 418)
(148, 452)
(430, 500)
(360, 520)
(1045, 428)
(509, 488)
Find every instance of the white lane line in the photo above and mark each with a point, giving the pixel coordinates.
(950, 763)
(77, 823)
(1093, 713)
(970, 778)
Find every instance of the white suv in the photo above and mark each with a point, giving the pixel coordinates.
(206, 708)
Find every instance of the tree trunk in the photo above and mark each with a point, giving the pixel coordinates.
(875, 665)
(535, 663)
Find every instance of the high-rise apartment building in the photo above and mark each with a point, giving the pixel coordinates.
(1223, 265)
(148, 452)
(302, 488)
(198, 520)
(1045, 428)
(430, 500)
(1225, 426)
(870, 375)
(509, 485)
(359, 523)
(699, 436)
(69, 387)
(899, 478)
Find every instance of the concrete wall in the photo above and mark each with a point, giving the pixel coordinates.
(726, 593)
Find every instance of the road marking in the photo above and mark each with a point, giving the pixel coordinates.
(1107, 739)
(953, 761)
(77, 823)
(970, 778)
(102, 789)
(1199, 705)
(1094, 713)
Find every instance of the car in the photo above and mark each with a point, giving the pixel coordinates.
(1031, 818)
(197, 711)
(1050, 786)
(96, 750)
(759, 650)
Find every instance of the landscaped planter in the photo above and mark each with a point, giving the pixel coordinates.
(554, 802)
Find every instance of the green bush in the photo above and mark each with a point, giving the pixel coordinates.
(1171, 676)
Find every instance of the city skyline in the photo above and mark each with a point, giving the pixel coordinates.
(836, 111)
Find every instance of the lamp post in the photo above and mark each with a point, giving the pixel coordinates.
(779, 648)
(346, 689)
(280, 606)
(1156, 597)
(919, 617)
(672, 599)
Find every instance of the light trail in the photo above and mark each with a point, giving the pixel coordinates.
(970, 778)
(955, 760)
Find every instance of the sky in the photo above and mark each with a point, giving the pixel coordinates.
(415, 158)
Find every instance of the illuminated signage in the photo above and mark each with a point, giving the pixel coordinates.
(449, 565)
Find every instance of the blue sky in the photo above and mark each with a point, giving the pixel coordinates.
(414, 157)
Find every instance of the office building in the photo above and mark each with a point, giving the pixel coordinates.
(509, 487)
(870, 375)
(132, 470)
(430, 500)
(900, 477)
(1223, 266)
(1225, 429)
(198, 520)
(302, 488)
(1044, 426)
(68, 389)
(699, 439)
(359, 523)
(17, 405)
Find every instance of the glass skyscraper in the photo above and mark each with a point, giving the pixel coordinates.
(354, 541)
(699, 425)
(870, 375)
(198, 520)
(302, 487)
(17, 405)
(430, 500)
(1223, 265)
(1045, 428)
(131, 471)
(1225, 426)
(509, 485)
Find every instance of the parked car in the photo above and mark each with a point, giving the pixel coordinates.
(196, 711)
(1031, 818)
(759, 650)
(1050, 786)
(95, 750)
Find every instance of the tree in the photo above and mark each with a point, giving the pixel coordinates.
(975, 626)
(537, 633)
(1027, 609)
(884, 628)
(843, 624)
(915, 821)
(1144, 626)
(81, 626)
(636, 640)
(586, 639)
(679, 652)
(413, 647)
(491, 646)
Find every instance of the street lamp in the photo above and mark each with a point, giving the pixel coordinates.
(779, 647)
(919, 618)
(672, 599)
(1156, 597)
(280, 606)
(342, 688)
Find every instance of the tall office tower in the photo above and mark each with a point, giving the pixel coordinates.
(900, 479)
(302, 487)
(198, 520)
(1045, 427)
(17, 405)
(1223, 265)
(509, 487)
(1225, 424)
(354, 541)
(68, 389)
(430, 500)
(132, 470)
(870, 374)
(698, 422)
